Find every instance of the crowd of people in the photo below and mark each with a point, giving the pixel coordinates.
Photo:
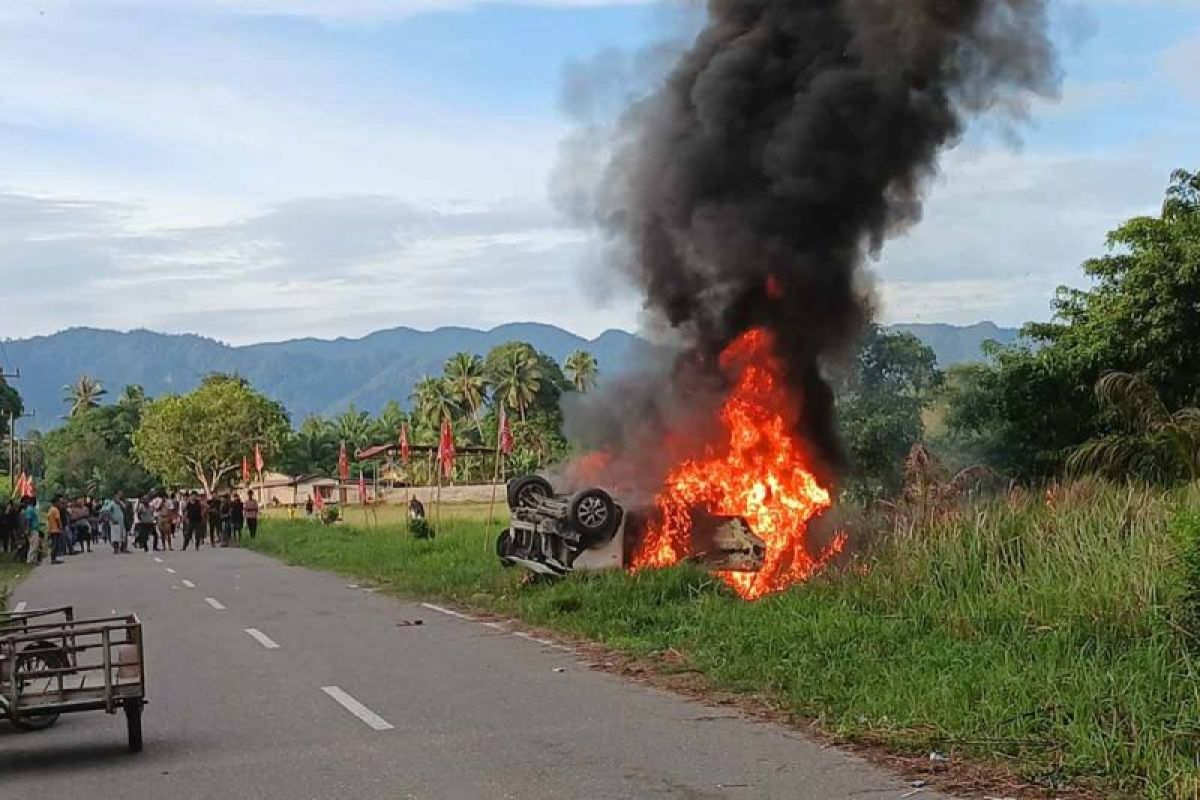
(153, 522)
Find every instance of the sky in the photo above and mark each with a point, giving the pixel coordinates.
(256, 170)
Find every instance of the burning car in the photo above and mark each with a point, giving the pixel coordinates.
(554, 534)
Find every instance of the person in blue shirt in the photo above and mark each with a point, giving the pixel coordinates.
(33, 529)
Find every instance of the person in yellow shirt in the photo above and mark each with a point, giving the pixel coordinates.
(54, 527)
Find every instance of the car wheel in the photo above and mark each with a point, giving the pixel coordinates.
(528, 491)
(594, 514)
(504, 548)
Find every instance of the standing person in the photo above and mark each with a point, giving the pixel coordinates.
(237, 518)
(130, 523)
(212, 512)
(143, 523)
(33, 529)
(164, 519)
(113, 513)
(250, 507)
(81, 525)
(55, 529)
(193, 520)
(308, 509)
(10, 526)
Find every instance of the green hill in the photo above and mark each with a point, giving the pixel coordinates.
(325, 376)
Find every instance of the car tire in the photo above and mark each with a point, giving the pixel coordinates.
(527, 491)
(593, 513)
(504, 548)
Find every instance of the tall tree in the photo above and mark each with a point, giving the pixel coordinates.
(93, 452)
(880, 403)
(11, 406)
(434, 401)
(1034, 404)
(202, 437)
(354, 428)
(516, 377)
(83, 395)
(464, 377)
(312, 450)
(581, 367)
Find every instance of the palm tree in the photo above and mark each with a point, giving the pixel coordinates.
(313, 449)
(1149, 441)
(581, 368)
(434, 401)
(464, 377)
(391, 417)
(353, 427)
(83, 395)
(517, 380)
(133, 395)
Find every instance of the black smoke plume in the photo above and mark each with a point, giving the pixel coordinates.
(784, 147)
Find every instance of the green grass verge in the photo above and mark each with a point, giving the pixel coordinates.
(1048, 637)
(10, 573)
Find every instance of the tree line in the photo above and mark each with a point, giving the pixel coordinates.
(1110, 385)
(199, 439)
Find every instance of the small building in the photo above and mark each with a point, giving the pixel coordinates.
(278, 489)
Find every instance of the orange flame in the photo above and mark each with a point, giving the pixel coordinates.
(760, 473)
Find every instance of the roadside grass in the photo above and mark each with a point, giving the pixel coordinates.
(10, 573)
(1052, 635)
(386, 516)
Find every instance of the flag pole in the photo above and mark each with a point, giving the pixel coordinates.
(495, 476)
(437, 500)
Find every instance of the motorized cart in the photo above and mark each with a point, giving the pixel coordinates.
(53, 664)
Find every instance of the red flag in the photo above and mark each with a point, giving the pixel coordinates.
(506, 437)
(245, 470)
(318, 499)
(18, 486)
(404, 452)
(258, 459)
(30, 488)
(362, 488)
(343, 464)
(446, 452)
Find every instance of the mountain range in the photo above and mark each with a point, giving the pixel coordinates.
(316, 376)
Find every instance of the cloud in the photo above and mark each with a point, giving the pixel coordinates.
(315, 266)
(323, 10)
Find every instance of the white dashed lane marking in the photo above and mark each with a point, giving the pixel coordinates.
(372, 720)
(157, 560)
(446, 611)
(170, 571)
(498, 626)
(19, 607)
(188, 583)
(262, 638)
(212, 601)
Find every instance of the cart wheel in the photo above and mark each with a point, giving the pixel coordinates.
(133, 721)
(37, 657)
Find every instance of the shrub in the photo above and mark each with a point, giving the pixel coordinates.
(420, 529)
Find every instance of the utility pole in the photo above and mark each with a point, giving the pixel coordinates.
(12, 431)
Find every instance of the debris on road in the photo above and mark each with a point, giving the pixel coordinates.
(410, 623)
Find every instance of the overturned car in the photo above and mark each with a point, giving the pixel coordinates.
(556, 534)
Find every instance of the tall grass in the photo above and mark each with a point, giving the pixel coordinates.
(10, 572)
(1052, 634)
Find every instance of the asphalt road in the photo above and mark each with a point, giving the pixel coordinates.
(333, 696)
